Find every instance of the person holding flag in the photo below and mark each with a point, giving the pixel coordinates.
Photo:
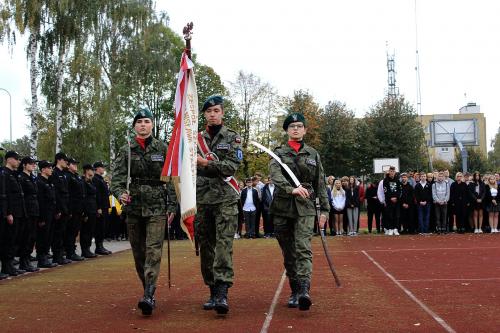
(136, 181)
(217, 194)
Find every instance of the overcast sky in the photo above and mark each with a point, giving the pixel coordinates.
(335, 49)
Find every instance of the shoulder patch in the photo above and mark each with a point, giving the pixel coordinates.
(239, 154)
(237, 139)
(223, 146)
(311, 161)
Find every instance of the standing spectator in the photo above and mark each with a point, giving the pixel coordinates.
(338, 204)
(90, 209)
(423, 197)
(492, 200)
(250, 201)
(47, 206)
(469, 223)
(62, 216)
(381, 199)
(441, 196)
(459, 200)
(407, 205)
(431, 179)
(373, 207)
(267, 199)
(14, 213)
(102, 197)
(330, 181)
(411, 179)
(352, 206)
(345, 185)
(449, 212)
(392, 193)
(258, 185)
(361, 186)
(26, 232)
(76, 190)
(476, 191)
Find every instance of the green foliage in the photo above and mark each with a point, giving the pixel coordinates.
(439, 164)
(494, 154)
(475, 161)
(21, 146)
(394, 131)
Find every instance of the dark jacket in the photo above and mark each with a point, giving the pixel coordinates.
(46, 199)
(423, 193)
(3, 194)
(267, 198)
(371, 197)
(76, 191)
(30, 190)
(488, 197)
(90, 202)
(14, 193)
(255, 197)
(352, 197)
(407, 194)
(392, 188)
(459, 194)
(474, 196)
(60, 182)
(102, 195)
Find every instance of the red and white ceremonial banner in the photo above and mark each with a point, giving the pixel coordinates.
(180, 163)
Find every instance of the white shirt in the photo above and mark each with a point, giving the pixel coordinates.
(271, 188)
(249, 206)
(380, 192)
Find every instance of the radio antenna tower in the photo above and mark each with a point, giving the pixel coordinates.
(392, 90)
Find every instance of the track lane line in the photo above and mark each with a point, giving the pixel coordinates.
(276, 297)
(436, 317)
(462, 279)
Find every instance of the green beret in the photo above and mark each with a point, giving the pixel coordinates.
(294, 118)
(142, 113)
(212, 101)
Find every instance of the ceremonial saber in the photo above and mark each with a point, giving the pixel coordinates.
(169, 221)
(297, 184)
(129, 163)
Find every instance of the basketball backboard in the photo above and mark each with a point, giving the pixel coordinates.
(382, 165)
(443, 132)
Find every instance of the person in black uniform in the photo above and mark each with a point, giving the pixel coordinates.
(62, 216)
(3, 204)
(102, 196)
(26, 231)
(90, 209)
(14, 213)
(76, 202)
(407, 203)
(47, 207)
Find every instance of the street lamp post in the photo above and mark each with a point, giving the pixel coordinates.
(10, 113)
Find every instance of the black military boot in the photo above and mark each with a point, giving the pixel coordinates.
(293, 300)
(147, 303)
(221, 306)
(101, 250)
(9, 268)
(43, 262)
(75, 257)
(60, 260)
(25, 264)
(210, 304)
(304, 298)
(3, 276)
(87, 253)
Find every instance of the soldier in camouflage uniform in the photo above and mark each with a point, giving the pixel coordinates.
(293, 208)
(217, 217)
(146, 204)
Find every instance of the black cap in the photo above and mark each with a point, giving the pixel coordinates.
(99, 164)
(61, 156)
(71, 160)
(87, 167)
(11, 154)
(294, 118)
(142, 113)
(212, 101)
(44, 164)
(27, 160)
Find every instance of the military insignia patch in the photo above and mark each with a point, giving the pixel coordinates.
(310, 161)
(294, 117)
(157, 158)
(239, 154)
(223, 146)
(212, 102)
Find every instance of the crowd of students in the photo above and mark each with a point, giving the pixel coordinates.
(416, 202)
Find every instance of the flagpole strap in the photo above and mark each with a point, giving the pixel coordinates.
(209, 155)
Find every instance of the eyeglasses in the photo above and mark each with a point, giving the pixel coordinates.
(296, 126)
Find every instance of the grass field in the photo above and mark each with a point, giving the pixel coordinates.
(389, 284)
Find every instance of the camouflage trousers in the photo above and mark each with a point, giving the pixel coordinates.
(216, 226)
(146, 235)
(294, 237)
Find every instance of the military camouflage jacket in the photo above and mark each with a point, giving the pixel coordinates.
(148, 194)
(210, 185)
(306, 165)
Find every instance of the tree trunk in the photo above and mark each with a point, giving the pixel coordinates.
(59, 113)
(33, 47)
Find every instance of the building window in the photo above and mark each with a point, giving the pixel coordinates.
(444, 149)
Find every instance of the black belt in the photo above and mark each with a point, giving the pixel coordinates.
(150, 182)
